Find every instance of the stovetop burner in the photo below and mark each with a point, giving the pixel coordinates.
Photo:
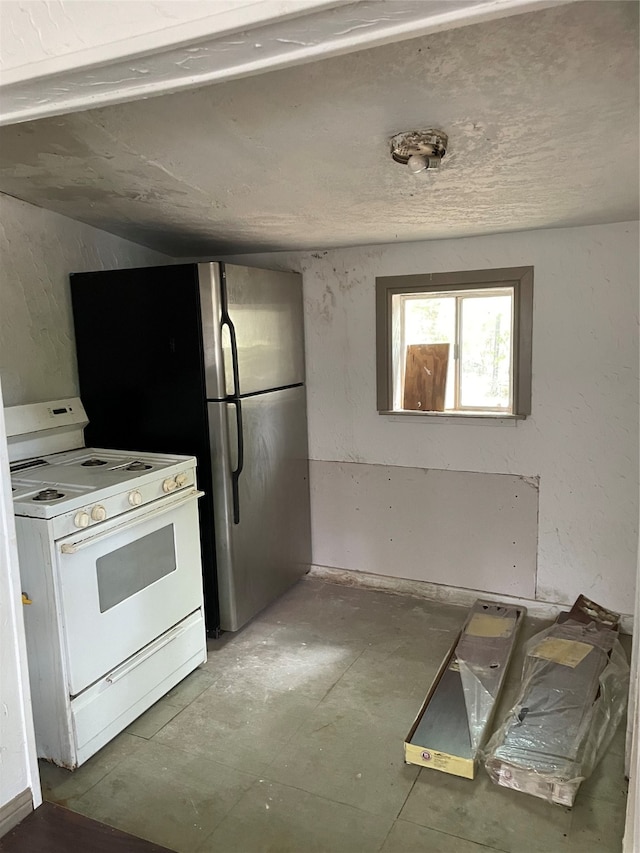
(93, 463)
(138, 466)
(48, 495)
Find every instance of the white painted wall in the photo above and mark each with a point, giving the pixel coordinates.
(18, 762)
(582, 436)
(38, 250)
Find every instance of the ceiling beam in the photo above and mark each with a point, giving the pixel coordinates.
(75, 62)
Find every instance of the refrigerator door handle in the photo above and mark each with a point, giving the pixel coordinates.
(235, 473)
(225, 320)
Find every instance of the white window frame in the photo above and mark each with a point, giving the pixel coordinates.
(389, 337)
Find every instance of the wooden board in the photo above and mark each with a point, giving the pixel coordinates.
(54, 829)
(425, 377)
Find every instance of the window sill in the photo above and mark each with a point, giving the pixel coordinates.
(472, 418)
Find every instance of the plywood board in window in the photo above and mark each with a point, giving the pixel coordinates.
(425, 378)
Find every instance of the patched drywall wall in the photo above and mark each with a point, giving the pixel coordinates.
(581, 438)
(38, 250)
(466, 528)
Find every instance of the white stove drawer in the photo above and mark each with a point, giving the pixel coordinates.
(125, 584)
(107, 707)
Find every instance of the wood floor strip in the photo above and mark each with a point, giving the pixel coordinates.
(54, 829)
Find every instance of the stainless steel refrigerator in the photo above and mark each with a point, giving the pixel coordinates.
(208, 359)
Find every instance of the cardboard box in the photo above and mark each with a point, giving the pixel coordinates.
(571, 699)
(453, 722)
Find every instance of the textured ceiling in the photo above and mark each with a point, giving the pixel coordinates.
(541, 111)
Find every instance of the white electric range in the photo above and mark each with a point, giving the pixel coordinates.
(110, 565)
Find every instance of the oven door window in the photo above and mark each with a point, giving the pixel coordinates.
(130, 569)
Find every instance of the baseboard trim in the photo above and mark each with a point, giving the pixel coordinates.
(439, 592)
(15, 810)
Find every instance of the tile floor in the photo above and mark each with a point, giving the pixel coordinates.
(289, 739)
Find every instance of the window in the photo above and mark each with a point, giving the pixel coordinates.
(455, 343)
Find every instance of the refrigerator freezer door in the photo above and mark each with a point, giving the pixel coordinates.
(270, 547)
(265, 309)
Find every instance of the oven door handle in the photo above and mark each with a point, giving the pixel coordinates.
(127, 667)
(165, 506)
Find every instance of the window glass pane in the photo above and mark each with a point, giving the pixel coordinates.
(485, 369)
(432, 320)
(129, 569)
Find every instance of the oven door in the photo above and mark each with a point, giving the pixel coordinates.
(125, 583)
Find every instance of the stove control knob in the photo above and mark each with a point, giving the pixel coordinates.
(98, 513)
(81, 519)
(181, 479)
(169, 485)
(135, 498)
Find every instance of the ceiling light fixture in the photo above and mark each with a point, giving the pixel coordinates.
(420, 150)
